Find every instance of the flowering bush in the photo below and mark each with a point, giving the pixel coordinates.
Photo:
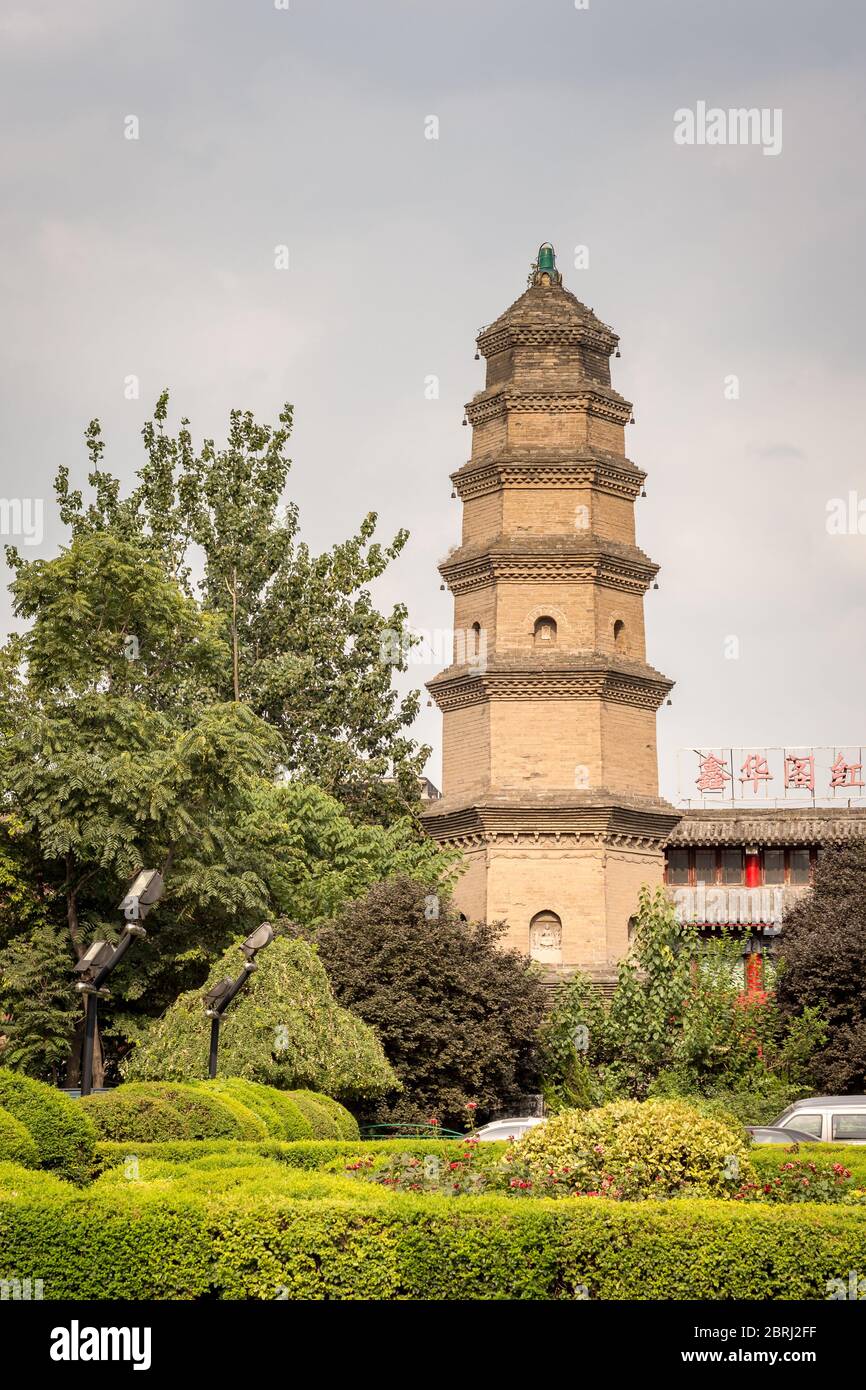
(407, 1172)
(631, 1150)
(800, 1181)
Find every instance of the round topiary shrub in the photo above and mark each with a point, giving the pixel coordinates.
(252, 1124)
(16, 1143)
(151, 1111)
(276, 1109)
(332, 1120)
(632, 1150)
(322, 1123)
(146, 1119)
(59, 1127)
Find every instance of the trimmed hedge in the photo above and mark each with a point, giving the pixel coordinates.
(311, 1155)
(145, 1112)
(64, 1137)
(16, 1143)
(236, 1232)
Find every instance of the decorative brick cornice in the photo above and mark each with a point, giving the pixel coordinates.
(591, 334)
(617, 479)
(594, 678)
(590, 399)
(546, 559)
(775, 826)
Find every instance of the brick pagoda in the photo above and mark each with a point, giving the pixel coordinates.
(550, 778)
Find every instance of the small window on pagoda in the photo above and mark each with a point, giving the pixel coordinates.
(545, 632)
(474, 640)
(678, 865)
(619, 635)
(545, 938)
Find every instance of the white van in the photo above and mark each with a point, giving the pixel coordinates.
(829, 1119)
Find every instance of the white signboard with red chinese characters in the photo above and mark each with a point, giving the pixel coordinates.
(808, 776)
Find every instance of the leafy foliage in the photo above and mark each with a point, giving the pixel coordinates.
(313, 857)
(306, 649)
(457, 1015)
(823, 965)
(679, 1024)
(284, 1030)
(242, 1228)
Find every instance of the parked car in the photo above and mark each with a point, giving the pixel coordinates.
(771, 1134)
(509, 1128)
(828, 1119)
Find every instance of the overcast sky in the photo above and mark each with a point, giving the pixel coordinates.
(260, 127)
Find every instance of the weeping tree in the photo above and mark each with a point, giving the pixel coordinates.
(285, 1029)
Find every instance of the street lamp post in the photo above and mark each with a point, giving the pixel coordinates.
(220, 996)
(100, 959)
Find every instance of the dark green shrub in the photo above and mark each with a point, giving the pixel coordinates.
(159, 1110)
(16, 1143)
(63, 1134)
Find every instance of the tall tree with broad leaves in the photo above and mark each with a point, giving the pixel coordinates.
(115, 749)
(307, 650)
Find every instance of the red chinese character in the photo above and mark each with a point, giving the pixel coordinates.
(755, 770)
(800, 772)
(712, 774)
(842, 774)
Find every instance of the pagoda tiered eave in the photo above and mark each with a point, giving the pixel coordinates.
(511, 676)
(587, 466)
(567, 559)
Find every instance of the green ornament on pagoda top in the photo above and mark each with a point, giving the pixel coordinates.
(544, 271)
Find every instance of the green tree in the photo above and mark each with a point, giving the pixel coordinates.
(679, 1022)
(313, 857)
(823, 966)
(306, 649)
(113, 753)
(285, 1029)
(458, 1015)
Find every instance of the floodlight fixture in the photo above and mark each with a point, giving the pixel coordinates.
(101, 958)
(217, 999)
(143, 893)
(218, 996)
(258, 940)
(98, 955)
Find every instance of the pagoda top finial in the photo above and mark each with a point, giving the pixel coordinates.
(544, 271)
